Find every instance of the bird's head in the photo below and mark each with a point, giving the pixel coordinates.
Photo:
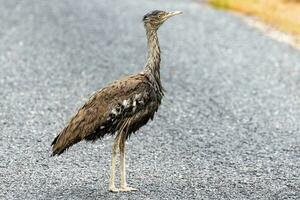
(156, 18)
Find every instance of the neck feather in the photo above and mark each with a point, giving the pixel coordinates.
(152, 67)
(153, 60)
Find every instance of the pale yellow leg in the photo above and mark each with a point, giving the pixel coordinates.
(124, 187)
(112, 187)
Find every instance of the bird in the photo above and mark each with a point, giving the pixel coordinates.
(122, 107)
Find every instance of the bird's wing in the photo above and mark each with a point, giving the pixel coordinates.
(101, 113)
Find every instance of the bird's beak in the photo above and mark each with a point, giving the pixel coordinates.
(171, 14)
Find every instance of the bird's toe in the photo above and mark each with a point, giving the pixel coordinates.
(113, 189)
(128, 189)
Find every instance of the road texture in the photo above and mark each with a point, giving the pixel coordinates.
(228, 127)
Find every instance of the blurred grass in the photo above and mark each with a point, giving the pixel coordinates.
(282, 14)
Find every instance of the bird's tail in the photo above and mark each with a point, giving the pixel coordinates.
(64, 140)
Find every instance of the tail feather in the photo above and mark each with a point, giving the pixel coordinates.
(63, 141)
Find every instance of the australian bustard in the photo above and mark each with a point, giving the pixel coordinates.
(122, 107)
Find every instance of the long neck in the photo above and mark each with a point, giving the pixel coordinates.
(153, 60)
(152, 67)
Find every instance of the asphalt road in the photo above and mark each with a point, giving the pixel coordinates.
(228, 127)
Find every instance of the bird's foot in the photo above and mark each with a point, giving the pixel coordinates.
(113, 189)
(127, 189)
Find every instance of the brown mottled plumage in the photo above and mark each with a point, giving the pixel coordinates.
(108, 109)
(122, 107)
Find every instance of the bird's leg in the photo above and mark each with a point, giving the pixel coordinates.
(124, 187)
(112, 187)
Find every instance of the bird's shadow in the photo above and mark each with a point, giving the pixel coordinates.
(88, 192)
(76, 192)
(83, 192)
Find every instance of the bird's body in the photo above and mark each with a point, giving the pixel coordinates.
(122, 107)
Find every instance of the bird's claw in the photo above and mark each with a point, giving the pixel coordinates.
(113, 189)
(127, 189)
(122, 189)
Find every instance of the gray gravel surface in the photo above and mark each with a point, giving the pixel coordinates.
(227, 129)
